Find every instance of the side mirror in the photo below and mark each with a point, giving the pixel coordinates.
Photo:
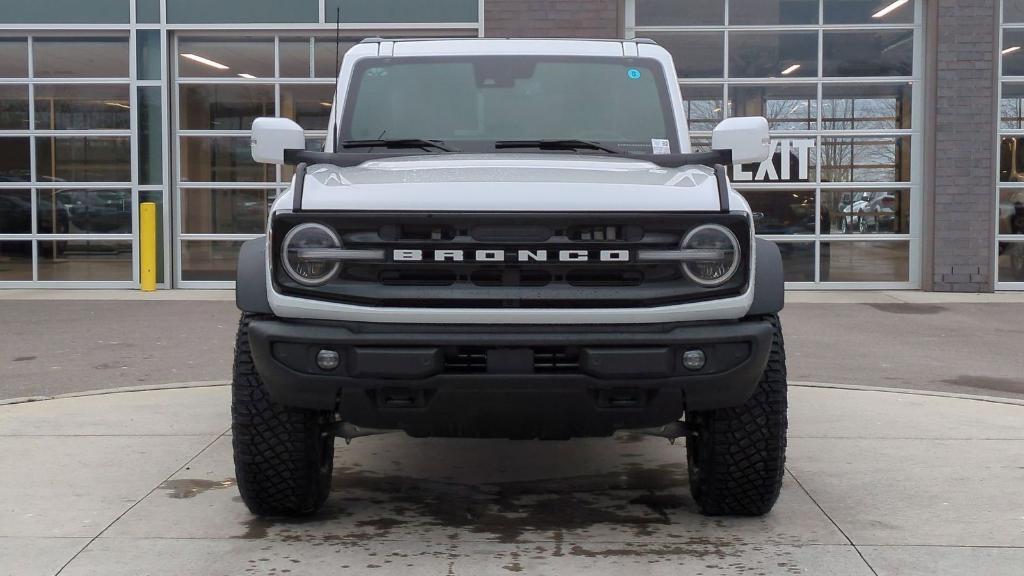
(746, 137)
(272, 136)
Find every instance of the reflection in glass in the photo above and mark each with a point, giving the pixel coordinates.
(868, 12)
(797, 261)
(792, 107)
(80, 57)
(703, 106)
(865, 159)
(224, 106)
(680, 12)
(84, 212)
(1013, 11)
(294, 55)
(147, 54)
(15, 159)
(1011, 261)
(83, 159)
(782, 211)
(150, 136)
(696, 54)
(865, 211)
(13, 58)
(866, 106)
(865, 261)
(793, 160)
(868, 53)
(85, 260)
(147, 11)
(15, 261)
(82, 107)
(209, 260)
(225, 211)
(1011, 159)
(1011, 211)
(773, 54)
(13, 107)
(770, 12)
(309, 105)
(212, 57)
(1011, 107)
(221, 159)
(15, 211)
(1013, 52)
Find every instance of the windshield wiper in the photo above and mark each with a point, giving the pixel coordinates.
(557, 144)
(398, 143)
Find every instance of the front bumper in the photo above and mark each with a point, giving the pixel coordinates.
(510, 381)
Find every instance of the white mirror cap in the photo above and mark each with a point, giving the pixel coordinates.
(747, 137)
(272, 136)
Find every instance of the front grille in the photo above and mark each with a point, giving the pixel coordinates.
(517, 281)
(545, 360)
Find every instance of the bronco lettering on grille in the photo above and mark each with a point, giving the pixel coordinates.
(501, 255)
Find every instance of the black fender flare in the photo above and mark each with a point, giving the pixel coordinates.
(251, 278)
(769, 281)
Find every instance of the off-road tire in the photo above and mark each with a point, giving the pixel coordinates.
(283, 456)
(736, 456)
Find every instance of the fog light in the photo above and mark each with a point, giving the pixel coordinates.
(694, 359)
(327, 359)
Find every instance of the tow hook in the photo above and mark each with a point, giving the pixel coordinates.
(670, 431)
(349, 431)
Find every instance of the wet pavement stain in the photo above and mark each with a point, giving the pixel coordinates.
(192, 487)
(986, 383)
(24, 358)
(913, 309)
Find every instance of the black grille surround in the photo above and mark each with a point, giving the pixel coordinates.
(511, 283)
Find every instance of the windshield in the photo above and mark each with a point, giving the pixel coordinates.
(474, 102)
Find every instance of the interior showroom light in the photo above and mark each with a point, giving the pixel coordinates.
(1011, 50)
(885, 11)
(247, 76)
(791, 69)
(206, 61)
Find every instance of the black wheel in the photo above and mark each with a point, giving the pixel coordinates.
(736, 456)
(283, 456)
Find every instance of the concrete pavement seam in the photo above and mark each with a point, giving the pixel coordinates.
(121, 390)
(909, 392)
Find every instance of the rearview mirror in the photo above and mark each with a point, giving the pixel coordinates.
(747, 138)
(272, 136)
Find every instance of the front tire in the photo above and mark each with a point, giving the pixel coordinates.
(283, 456)
(736, 457)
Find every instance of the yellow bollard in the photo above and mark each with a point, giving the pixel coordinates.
(147, 246)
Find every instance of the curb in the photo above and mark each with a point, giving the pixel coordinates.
(910, 392)
(122, 390)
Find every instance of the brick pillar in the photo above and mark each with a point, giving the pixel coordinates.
(553, 18)
(963, 168)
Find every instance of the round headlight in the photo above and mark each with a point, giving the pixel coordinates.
(724, 255)
(303, 268)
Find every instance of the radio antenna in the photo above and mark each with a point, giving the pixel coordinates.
(337, 71)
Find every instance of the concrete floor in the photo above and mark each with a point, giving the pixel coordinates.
(877, 484)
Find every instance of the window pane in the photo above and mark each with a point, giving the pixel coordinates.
(150, 136)
(66, 12)
(680, 12)
(762, 12)
(1011, 211)
(872, 53)
(404, 11)
(1013, 56)
(13, 107)
(243, 11)
(147, 11)
(80, 57)
(310, 106)
(15, 159)
(85, 212)
(326, 54)
(147, 54)
(220, 211)
(865, 212)
(696, 54)
(83, 159)
(797, 261)
(866, 106)
(868, 12)
(294, 53)
(782, 211)
(15, 261)
(1011, 159)
(1011, 261)
(703, 106)
(865, 159)
(203, 58)
(773, 54)
(13, 58)
(793, 160)
(793, 107)
(85, 260)
(15, 211)
(865, 261)
(1011, 107)
(224, 106)
(82, 107)
(218, 159)
(207, 260)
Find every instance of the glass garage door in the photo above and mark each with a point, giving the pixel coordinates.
(838, 81)
(1009, 265)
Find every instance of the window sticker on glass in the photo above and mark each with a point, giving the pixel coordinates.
(633, 74)
(660, 146)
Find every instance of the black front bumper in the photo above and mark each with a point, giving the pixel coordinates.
(510, 381)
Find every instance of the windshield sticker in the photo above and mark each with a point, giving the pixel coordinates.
(660, 146)
(633, 74)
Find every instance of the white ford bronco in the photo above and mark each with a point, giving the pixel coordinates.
(509, 239)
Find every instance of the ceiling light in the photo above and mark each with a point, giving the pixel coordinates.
(1011, 50)
(118, 105)
(206, 61)
(247, 76)
(791, 69)
(885, 11)
(325, 104)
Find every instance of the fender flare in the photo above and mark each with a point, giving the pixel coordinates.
(769, 281)
(251, 278)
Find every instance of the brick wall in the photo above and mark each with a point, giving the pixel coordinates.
(552, 18)
(965, 155)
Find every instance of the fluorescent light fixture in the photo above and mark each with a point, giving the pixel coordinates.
(791, 69)
(247, 76)
(1011, 50)
(325, 104)
(118, 105)
(888, 9)
(206, 61)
